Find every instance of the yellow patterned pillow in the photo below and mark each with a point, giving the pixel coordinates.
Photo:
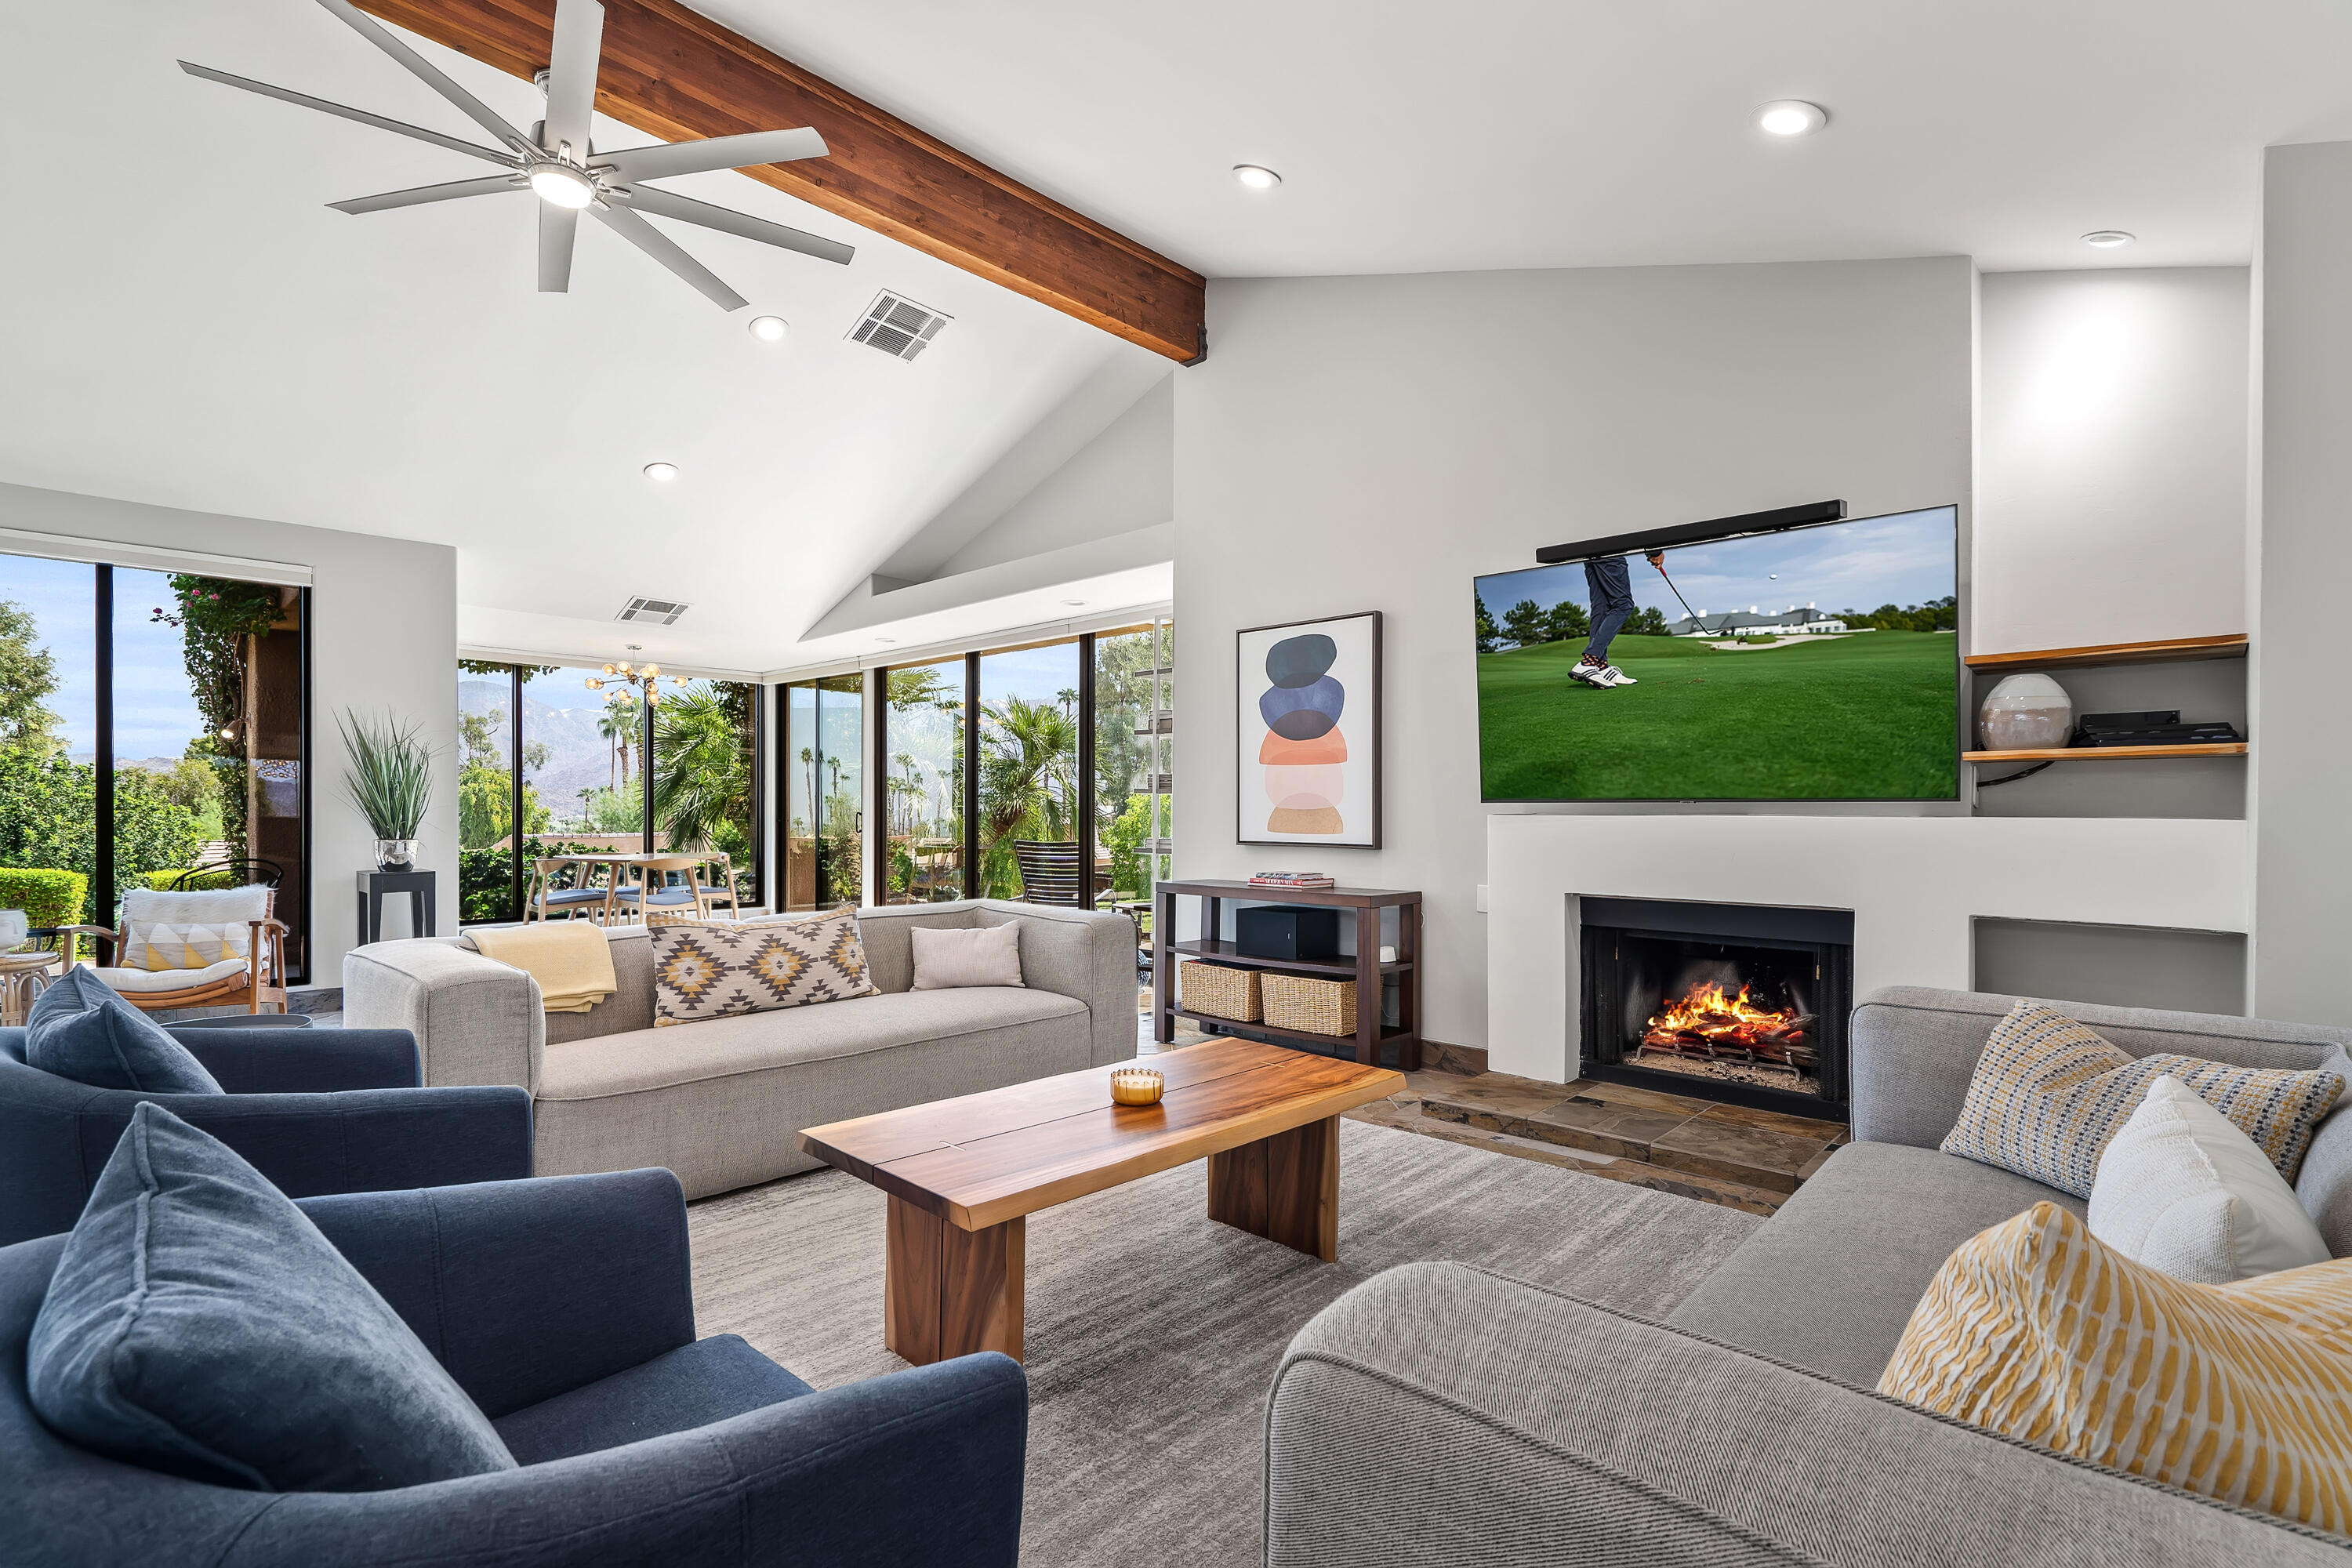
(2240, 1392)
(163, 946)
(2048, 1093)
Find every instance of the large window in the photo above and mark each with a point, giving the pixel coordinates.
(576, 761)
(152, 725)
(1064, 742)
(825, 724)
(922, 780)
(1029, 763)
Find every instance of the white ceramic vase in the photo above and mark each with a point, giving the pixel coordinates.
(2026, 712)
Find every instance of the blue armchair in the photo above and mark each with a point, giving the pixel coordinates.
(315, 1110)
(564, 1309)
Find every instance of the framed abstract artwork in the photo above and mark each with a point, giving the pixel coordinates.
(1308, 698)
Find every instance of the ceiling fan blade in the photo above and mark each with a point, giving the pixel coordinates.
(559, 229)
(572, 75)
(745, 152)
(686, 209)
(361, 115)
(662, 248)
(418, 195)
(473, 108)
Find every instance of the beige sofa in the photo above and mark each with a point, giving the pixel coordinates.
(719, 1103)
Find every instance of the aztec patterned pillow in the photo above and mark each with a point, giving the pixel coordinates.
(2036, 1331)
(2048, 1093)
(718, 971)
(161, 946)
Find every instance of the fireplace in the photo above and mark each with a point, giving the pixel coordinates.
(1741, 1002)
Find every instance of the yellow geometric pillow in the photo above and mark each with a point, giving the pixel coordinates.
(163, 946)
(2240, 1392)
(2048, 1093)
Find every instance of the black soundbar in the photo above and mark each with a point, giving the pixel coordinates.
(1773, 522)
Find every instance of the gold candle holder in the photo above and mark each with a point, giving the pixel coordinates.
(1135, 1086)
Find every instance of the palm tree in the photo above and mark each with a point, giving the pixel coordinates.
(702, 786)
(1027, 774)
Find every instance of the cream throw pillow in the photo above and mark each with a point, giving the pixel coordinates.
(2242, 1393)
(973, 955)
(159, 946)
(2181, 1189)
(2048, 1093)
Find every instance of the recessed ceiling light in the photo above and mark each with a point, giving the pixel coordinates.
(769, 329)
(1255, 178)
(2108, 239)
(1074, 600)
(561, 184)
(661, 473)
(885, 639)
(1792, 117)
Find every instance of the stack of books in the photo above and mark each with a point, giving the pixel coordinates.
(1293, 879)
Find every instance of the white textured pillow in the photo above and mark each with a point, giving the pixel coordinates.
(2182, 1189)
(974, 955)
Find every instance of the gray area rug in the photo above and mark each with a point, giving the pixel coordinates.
(1153, 1332)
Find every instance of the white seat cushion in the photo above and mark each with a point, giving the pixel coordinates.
(151, 980)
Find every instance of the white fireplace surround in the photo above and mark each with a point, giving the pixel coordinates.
(1915, 885)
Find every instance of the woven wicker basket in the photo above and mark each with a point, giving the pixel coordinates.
(1220, 991)
(1317, 1006)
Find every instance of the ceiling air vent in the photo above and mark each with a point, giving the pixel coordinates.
(661, 612)
(899, 328)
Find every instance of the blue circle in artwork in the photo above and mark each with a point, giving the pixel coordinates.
(1300, 661)
(1303, 712)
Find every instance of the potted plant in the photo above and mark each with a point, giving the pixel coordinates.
(390, 782)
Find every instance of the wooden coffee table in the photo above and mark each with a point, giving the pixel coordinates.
(963, 1174)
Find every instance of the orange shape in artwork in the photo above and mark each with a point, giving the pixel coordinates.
(1328, 747)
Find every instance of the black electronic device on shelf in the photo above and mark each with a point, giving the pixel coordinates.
(2155, 727)
(1286, 931)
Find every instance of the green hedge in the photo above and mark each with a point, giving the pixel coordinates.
(203, 882)
(48, 898)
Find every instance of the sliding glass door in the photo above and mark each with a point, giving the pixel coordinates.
(822, 811)
(922, 782)
(155, 731)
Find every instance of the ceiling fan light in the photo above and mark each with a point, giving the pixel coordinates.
(559, 184)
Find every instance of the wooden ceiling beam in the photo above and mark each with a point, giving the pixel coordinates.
(676, 75)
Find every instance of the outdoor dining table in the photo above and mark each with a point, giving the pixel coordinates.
(619, 858)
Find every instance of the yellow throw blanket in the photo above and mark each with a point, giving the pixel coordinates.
(571, 960)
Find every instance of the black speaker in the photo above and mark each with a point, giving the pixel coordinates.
(1286, 931)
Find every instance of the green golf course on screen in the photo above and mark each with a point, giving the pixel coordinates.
(1612, 680)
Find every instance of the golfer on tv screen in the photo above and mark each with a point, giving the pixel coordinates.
(1612, 603)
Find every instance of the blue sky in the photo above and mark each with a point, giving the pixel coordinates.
(1905, 558)
(153, 714)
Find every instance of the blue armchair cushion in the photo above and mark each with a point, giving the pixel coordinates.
(199, 1323)
(80, 1029)
(693, 1385)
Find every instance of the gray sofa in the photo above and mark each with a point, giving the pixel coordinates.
(719, 1103)
(1444, 1414)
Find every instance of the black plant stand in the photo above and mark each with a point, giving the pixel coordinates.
(376, 885)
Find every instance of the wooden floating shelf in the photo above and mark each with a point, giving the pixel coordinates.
(2171, 649)
(1223, 952)
(2106, 753)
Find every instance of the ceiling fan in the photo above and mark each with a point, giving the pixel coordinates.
(556, 164)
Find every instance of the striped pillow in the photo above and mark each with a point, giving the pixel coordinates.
(2048, 1093)
(2240, 1392)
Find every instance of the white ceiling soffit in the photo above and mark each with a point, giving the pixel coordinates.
(197, 330)
(1510, 133)
(151, 557)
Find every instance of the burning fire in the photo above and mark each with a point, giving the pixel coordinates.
(1708, 1021)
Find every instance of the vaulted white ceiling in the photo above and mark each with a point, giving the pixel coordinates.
(185, 323)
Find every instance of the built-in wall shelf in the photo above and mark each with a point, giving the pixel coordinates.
(2105, 754)
(2166, 650)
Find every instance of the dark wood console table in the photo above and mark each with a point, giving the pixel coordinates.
(1365, 968)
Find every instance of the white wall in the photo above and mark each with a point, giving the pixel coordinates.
(1373, 443)
(2303, 898)
(2111, 468)
(383, 636)
(1121, 481)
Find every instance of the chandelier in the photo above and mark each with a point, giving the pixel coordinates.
(627, 679)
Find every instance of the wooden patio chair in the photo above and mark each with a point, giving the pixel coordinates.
(545, 899)
(654, 899)
(152, 955)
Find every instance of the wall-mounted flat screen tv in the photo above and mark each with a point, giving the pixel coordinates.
(1813, 663)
